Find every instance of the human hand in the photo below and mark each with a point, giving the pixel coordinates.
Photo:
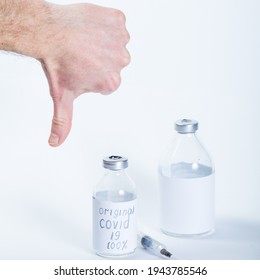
(84, 51)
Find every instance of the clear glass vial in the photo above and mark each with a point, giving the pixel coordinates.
(186, 177)
(114, 211)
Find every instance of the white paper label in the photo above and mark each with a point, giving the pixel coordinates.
(114, 227)
(187, 205)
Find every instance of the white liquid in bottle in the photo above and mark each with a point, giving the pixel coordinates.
(187, 199)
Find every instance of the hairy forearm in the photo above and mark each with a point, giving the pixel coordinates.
(21, 25)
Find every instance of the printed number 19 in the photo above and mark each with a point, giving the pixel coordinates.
(115, 235)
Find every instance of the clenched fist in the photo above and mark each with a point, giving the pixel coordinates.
(81, 47)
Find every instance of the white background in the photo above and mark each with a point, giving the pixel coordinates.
(195, 59)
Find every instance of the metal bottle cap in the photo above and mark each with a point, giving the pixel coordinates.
(186, 126)
(115, 162)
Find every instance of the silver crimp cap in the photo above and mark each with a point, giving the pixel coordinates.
(115, 162)
(186, 126)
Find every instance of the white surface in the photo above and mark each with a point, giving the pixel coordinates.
(197, 59)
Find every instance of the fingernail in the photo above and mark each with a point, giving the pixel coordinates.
(54, 140)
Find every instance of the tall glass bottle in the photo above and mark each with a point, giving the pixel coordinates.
(186, 176)
(114, 211)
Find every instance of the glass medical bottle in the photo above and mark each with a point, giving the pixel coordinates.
(186, 177)
(114, 211)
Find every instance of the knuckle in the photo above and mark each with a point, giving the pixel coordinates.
(119, 16)
(60, 122)
(111, 83)
(126, 58)
(127, 37)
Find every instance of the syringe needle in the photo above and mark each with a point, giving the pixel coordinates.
(166, 253)
(153, 246)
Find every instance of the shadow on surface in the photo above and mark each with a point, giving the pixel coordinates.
(236, 230)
